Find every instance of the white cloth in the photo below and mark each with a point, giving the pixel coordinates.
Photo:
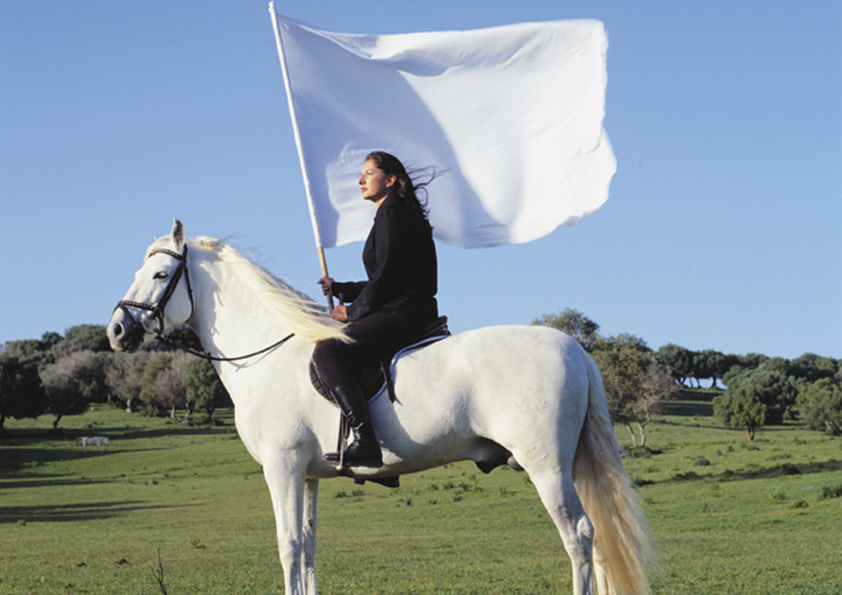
(512, 115)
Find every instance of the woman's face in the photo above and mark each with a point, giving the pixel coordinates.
(374, 183)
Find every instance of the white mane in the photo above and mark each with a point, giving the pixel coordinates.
(306, 318)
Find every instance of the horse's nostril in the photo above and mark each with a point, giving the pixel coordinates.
(117, 329)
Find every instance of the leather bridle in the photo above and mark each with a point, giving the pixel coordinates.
(158, 309)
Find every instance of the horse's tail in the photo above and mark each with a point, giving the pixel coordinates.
(622, 548)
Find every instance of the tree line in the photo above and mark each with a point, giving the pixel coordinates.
(63, 375)
(756, 390)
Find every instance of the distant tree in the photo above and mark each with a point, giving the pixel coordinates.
(754, 399)
(90, 337)
(821, 404)
(38, 352)
(811, 367)
(711, 364)
(169, 389)
(148, 394)
(752, 361)
(657, 386)
(21, 392)
(124, 377)
(203, 389)
(88, 369)
(676, 361)
(624, 361)
(64, 393)
(575, 324)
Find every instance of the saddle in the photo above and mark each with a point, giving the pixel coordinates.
(376, 378)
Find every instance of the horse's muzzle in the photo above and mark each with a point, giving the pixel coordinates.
(124, 334)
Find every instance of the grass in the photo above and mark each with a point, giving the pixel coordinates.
(761, 518)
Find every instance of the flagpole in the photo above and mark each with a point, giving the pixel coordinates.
(307, 188)
(323, 262)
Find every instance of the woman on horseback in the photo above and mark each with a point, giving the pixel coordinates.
(388, 311)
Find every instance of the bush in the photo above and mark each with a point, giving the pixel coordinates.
(831, 491)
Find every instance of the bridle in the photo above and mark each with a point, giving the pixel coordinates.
(157, 310)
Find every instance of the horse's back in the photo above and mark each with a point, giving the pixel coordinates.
(502, 355)
(518, 386)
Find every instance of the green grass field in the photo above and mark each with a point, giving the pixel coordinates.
(727, 516)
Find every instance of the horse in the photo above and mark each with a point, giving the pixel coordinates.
(527, 395)
(87, 441)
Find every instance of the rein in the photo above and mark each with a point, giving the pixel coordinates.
(205, 355)
(157, 311)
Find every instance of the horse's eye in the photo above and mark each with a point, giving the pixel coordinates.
(161, 275)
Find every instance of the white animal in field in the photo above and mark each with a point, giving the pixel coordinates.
(87, 441)
(528, 396)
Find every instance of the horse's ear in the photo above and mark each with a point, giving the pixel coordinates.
(178, 234)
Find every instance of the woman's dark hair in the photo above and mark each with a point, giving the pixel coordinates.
(406, 189)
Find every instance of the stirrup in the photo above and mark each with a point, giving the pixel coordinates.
(343, 461)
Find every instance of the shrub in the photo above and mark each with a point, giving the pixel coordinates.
(831, 491)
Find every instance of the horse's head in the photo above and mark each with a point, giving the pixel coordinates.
(160, 297)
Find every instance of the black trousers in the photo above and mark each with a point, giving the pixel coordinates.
(377, 336)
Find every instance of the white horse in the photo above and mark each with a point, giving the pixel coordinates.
(530, 395)
(87, 441)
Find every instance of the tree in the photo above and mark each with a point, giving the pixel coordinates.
(821, 404)
(64, 393)
(657, 386)
(676, 361)
(21, 392)
(811, 367)
(92, 337)
(88, 370)
(169, 389)
(754, 399)
(575, 324)
(148, 393)
(124, 377)
(624, 361)
(37, 352)
(711, 364)
(203, 389)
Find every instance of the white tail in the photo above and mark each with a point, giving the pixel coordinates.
(622, 548)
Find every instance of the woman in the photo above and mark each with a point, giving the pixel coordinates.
(391, 309)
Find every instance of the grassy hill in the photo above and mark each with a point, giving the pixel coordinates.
(727, 516)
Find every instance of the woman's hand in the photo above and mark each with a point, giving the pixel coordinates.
(326, 282)
(340, 313)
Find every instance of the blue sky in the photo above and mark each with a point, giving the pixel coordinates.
(723, 229)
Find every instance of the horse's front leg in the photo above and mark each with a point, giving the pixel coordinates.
(285, 479)
(311, 497)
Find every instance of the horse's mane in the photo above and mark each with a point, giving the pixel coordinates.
(306, 318)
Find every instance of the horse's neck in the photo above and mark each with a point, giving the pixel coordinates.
(229, 318)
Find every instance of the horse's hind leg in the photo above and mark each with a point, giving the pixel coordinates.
(562, 502)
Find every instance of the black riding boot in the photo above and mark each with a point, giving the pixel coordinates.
(364, 451)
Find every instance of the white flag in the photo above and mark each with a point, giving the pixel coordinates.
(512, 114)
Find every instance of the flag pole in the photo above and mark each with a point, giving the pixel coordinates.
(323, 263)
(307, 187)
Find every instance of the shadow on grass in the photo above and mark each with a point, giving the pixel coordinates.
(757, 472)
(61, 513)
(686, 408)
(15, 459)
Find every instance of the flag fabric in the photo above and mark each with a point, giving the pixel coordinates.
(512, 115)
